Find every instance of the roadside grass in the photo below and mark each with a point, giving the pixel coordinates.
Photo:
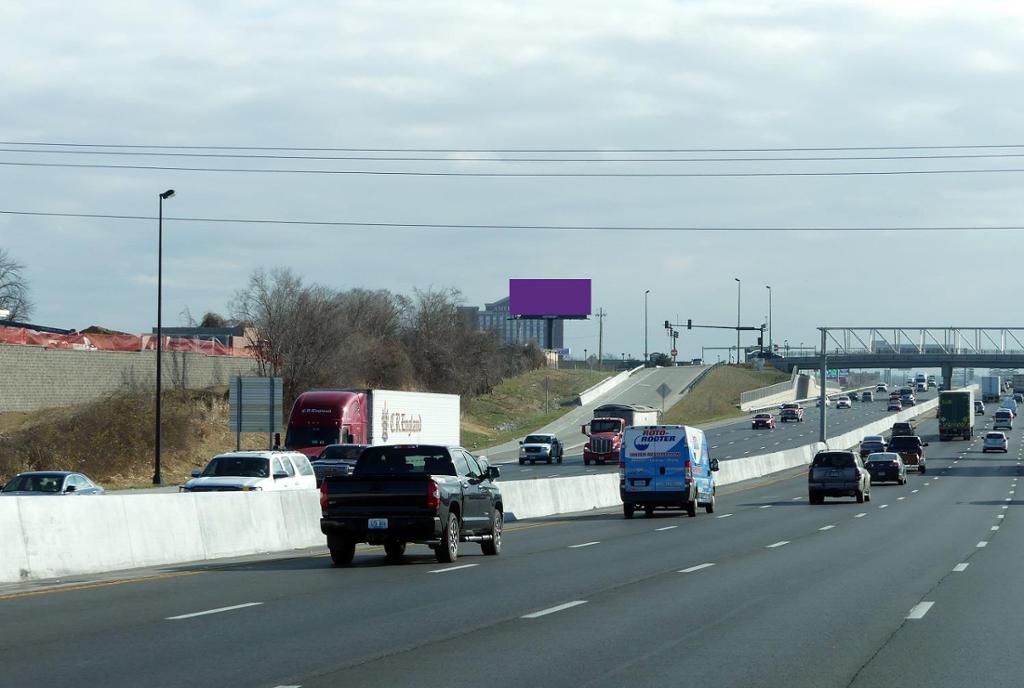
(516, 406)
(718, 395)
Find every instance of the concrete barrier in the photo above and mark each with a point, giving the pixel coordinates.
(534, 498)
(588, 395)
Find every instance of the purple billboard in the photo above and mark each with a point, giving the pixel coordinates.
(563, 298)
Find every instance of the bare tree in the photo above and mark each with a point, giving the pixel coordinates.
(14, 295)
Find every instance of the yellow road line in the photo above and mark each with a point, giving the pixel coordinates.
(98, 584)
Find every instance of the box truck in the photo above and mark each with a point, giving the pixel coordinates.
(1018, 383)
(956, 414)
(606, 428)
(991, 388)
(371, 416)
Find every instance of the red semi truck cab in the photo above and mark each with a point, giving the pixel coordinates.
(324, 417)
(606, 429)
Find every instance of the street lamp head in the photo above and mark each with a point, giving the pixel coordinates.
(167, 194)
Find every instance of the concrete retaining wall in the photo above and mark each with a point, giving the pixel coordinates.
(32, 377)
(588, 395)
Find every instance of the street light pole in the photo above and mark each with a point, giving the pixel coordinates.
(645, 325)
(159, 329)
(739, 290)
(769, 288)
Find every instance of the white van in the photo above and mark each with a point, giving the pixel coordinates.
(666, 467)
(259, 471)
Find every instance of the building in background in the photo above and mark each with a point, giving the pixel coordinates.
(494, 317)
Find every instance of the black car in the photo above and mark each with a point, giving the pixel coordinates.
(433, 495)
(336, 459)
(886, 467)
(837, 474)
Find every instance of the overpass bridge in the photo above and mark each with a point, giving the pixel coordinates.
(943, 347)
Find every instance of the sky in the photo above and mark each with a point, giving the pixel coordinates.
(522, 75)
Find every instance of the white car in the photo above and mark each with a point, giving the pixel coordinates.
(994, 441)
(881, 387)
(843, 402)
(253, 471)
(1002, 419)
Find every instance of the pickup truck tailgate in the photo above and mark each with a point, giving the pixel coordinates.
(391, 494)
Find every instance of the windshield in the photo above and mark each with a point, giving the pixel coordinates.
(605, 425)
(38, 482)
(298, 438)
(995, 436)
(537, 439)
(238, 467)
(385, 461)
(341, 452)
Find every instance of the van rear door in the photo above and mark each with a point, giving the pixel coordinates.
(654, 459)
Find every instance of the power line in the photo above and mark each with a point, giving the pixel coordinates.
(446, 225)
(413, 173)
(512, 150)
(371, 158)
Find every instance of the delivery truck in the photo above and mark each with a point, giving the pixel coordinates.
(322, 417)
(956, 414)
(606, 428)
(1018, 383)
(991, 388)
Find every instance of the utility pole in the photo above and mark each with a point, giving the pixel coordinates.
(739, 291)
(600, 336)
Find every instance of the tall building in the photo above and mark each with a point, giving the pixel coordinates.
(495, 317)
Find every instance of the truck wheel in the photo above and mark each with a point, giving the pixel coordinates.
(522, 462)
(549, 460)
(492, 547)
(920, 468)
(342, 552)
(559, 458)
(710, 506)
(691, 507)
(860, 496)
(448, 550)
(586, 461)
(627, 510)
(648, 511)
(394, 550)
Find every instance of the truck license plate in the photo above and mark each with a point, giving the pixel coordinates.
(378, 524)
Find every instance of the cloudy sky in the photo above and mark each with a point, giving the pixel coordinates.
(587, 74)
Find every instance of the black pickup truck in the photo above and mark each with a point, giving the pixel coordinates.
(425, 494)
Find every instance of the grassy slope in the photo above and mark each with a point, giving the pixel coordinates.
(516, 406)
(718, 394)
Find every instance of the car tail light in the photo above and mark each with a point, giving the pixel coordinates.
(323, 496)
(689, 472)
(622, 471)
(433, 495)
(895, 463)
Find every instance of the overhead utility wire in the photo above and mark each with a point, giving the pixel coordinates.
(246, 156)
(510, 150)
(410, 173)
(444, 225)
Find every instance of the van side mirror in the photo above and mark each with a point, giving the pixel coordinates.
(520, 443)
(925, 444)
(196, 472)
(493, 472)
(583, 429)
(280, 475)
(69, 489)
(277, 440)
(714, 464)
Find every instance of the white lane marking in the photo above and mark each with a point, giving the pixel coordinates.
(899, 499)
(995, 528)
(453, 568)
(797, 499)
(764, 447)
(1005, 507)
(780, 543)
(982, 543)
(724, 516)
(1007, 500)
(552, 610)
(1013, 492)
(913, 492)
(861, 515)
(1001, 516)
(927, 484)
(698, 567)
(666, 528)
(714, 446)
(884, 506)
(585, 544)
(826, 527)
(919, 610)
(938, 477)
(218, 610)
(766, 506)
(960, 567)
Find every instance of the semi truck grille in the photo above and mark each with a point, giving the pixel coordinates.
(601, 445)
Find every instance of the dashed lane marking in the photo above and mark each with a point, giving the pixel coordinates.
(585, 544)
(780, 543)
(698, 567)
(218, 610)
(552, 610)
(453, 568)
(919, 610)
(959, 568)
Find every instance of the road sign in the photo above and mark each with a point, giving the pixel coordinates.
(255, 406)
(675, 352)
(663, 390)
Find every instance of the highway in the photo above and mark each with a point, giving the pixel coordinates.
(729, 440)
(914, 588)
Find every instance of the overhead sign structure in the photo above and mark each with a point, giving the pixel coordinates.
(549, 298)
(256, 405)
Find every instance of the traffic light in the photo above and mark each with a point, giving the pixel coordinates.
(689, 324)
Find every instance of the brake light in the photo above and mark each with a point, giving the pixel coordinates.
(689, 472)
(323, 497)
(622, 471)
(433, 495)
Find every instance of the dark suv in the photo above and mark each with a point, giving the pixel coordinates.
(794, 412)
(838, 474)
(911, 450)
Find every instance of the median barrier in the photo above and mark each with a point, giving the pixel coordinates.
(14, 559)
(546, 497)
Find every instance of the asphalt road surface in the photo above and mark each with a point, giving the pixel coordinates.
(728, 441)
(917, 587)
